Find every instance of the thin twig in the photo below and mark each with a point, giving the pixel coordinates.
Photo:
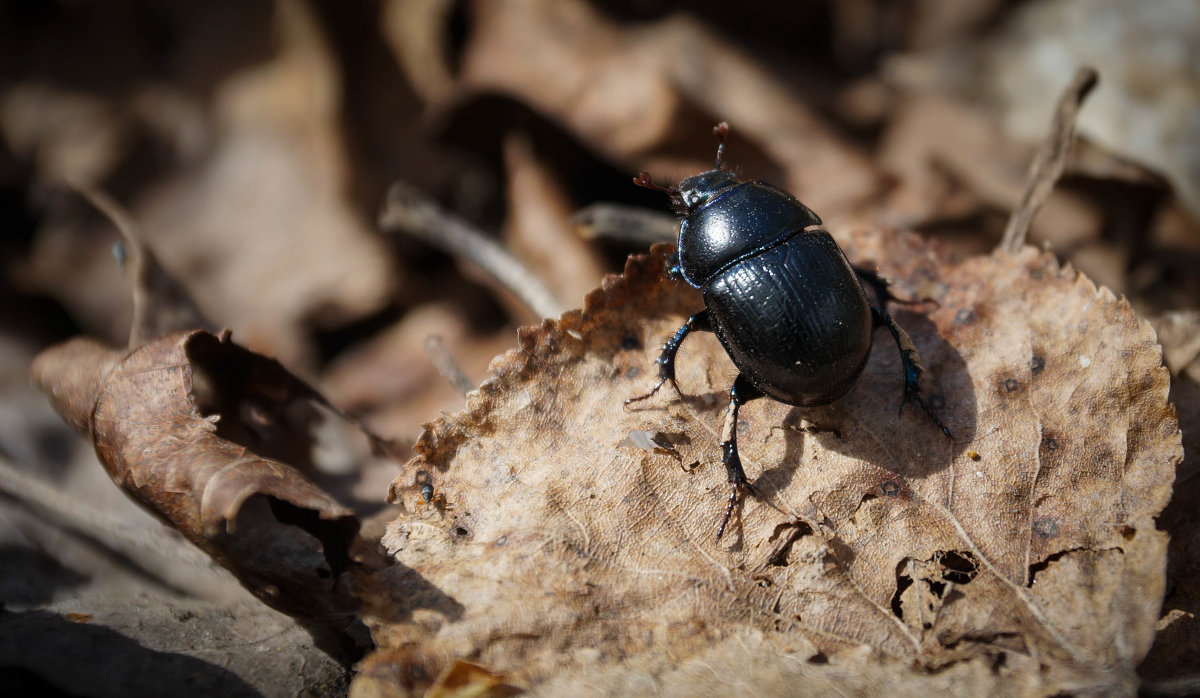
(1170, 688)
(409, 211)
(1048, 165)
(445, 364)
(117, 534)
(630, 224)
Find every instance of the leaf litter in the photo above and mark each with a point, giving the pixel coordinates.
(876, 546)
(1027, 546)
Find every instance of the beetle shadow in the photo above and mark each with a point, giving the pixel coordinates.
(775, 479)
(947, 389)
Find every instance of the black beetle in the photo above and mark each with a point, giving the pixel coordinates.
(781, 297)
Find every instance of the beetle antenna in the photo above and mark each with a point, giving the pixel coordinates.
(643, 180)
(720, 131)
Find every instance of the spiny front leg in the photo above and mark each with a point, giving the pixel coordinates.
(910, 361)
(741, 393)
(666, 360)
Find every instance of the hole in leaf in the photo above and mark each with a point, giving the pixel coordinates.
(958, 567)
(903, 582)
(795, 531)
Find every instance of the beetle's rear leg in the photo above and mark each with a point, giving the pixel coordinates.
(741, 393)
(666, 360)
(910, 360)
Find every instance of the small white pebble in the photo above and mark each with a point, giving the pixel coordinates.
(1084, 361)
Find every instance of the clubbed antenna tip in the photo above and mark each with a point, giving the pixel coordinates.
(721, 130)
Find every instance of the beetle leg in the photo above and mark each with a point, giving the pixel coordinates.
(741, 393)
(910, 360)
(674, 268)
(666, 360)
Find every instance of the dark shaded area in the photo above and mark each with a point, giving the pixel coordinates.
(79, 659)
(32, 577)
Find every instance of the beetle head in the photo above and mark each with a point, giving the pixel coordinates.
(698, 189)
(695, 191)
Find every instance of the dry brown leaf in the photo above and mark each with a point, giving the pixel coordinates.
(538, 229)
(265, 216)
(933, 147)
(1024, 556)
(628, 90)
(205, 433)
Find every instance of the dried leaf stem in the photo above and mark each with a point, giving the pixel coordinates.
(410, 211)
(77, 515)
(1048, 165)
(629, 224)
(445, 364)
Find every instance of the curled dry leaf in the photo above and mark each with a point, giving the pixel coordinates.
(876, 554)
(202, 432)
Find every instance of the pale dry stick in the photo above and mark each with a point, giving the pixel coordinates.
(110, 531)
(1181, 687)
(445, 364)
(409, 211)
(1048, 164)
(629, 224)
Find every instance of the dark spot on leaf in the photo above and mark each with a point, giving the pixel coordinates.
(630, 342)
(889, 488)
(1127, 532)
(1037, 364)
(818, 658)
(964, 316)
(1051, 444)
(1011, 385)
(501, 540)
(633, 372)
(461, 531)
(1045, 528)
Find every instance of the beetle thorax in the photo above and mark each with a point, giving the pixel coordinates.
(727, 219)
